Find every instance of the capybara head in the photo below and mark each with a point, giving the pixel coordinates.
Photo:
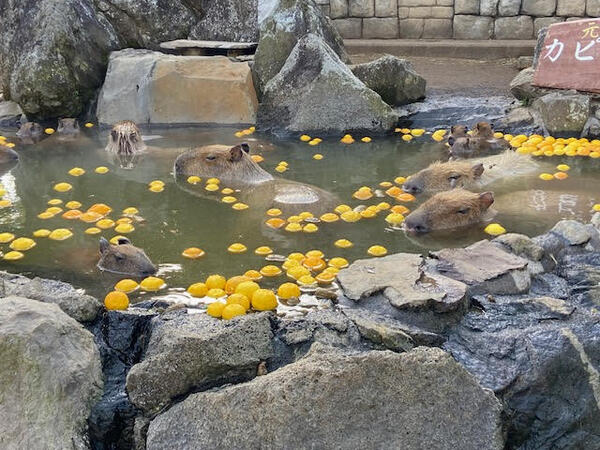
(124, 259)
(468, 147)
(125, 138)
(441, 176)
(230, 164)
(450, 209)
(484, 130)
(68, 127)
(7, 155)
(30, 130)
(456, 131)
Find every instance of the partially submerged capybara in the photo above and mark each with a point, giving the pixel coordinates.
(124, 259)
(470, 174)
(7, 155)
(473, 146)
(234, 167)
(125, 138)
(483, 130)
(68, 128)
(456, 131)
(30, 130)
(450, 209)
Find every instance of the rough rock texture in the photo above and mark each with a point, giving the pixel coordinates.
(509, 7)
(155, 88)
(522, 88)
(81, 307)
(574, 232)
(519, 27)
(50, 377)
(330, 399)
(316, 91)
(473, 27)
(10, 113)
(393, 78)
(286, 23)
(403, 282)
(189, 352)
(484, 267)
(563, 112)
(63, 45)
(539, 7)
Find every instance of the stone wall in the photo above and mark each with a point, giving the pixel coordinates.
(458, 19)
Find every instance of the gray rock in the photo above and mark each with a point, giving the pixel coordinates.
(596, 220)
(488, 7)
(191, 352)
(394, 79)
(331, 399)
(549, 284)
(538, 8)
(338, 9)
(539, 45)
(473, 27)
(386, 8)
(74, 302)
(522, 88)
(466, 6)
(349, 28)
(520, 245)
(563, 112)
(509, 7)
(229, 20)
(543, 22)
(10, 113)
(316, 91)
(411, 28)
(519, 27)
(576, 233)
(567, 8)
(361, 8)
(50, 377)
(485, 268)
(403, 283)
(437, 28)
(517, 118)
(287, 22)
(593, 8)
(591, 128)
(380, 28)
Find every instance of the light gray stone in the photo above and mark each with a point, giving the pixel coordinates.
(517, 118)
(539, 8)
(380, 28)
(596, 220)
(281, 29)
(50, 377)
(196, 351)
(591, 128)
(437, 29)
(576, 233)
(488, 7)
(338, 9)
(227, 20)
(485, 268)
(349, 28)
(326, 96)
(403, 12)
(523, 62)
(442, 12)
(518, 27)
(74, 302)
(473, 27)
(445, 2)
(394, 79)
(509, 7)
(361, 8)
(411, 3)
(410, 288)
(419, 12)
(466, 6)
(10, 113)
(566, 8)
(520, 245)
(563, 112)
(593, 8)
(331, 399)
(542, 22)
(522, 88)
(411, 28)
(386, 8)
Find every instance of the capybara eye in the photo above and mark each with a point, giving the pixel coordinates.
(211, 157)
(133, 136)
(454, 177)
(463, 211)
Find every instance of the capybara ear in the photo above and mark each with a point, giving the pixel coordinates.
(453, 128)
(104, 245)
(235, 153)
(486, 199)
(123, 241)
(477, 170)
(245, 147)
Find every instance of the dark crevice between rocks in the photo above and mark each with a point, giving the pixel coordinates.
(121, 339)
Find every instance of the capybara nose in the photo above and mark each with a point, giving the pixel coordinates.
(415, 224)
(411, 188)
(451, 140)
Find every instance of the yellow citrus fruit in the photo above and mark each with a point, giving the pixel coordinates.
(42, 232)
(193, 253)
(239, 299)
(49, 130)
(5, 203)
(275, 222)
(343, 243)
(394, 219)
(329, 217)
(76, 171)
(377, 250)
(366, 139)
(546, 176)
(73, 204)
(55, 201)
(216, 293)
(124, 228)
(339, 263)
(197, 290)
(152, 284)
(247, 288)
(254, 275)
(22, 244)
(495, 229)
(127, 285)
(6, 237)
(88, 125)
(239, 206)
(270, 271)
(317, 156)
(115, 239)
(305, 138)
(194, 179)
(232, 310)
(93, 230)
(293, 227)
(264, 250)
(228, 199)
(215, 309)
(310, 228)
(233, 282)
(563, 167)
(101, 170)
(237, 248)
(72, 214)
(116, 300)
(288, 290)
(350, 216)
(257, 158)
(264, 300)
(60, 234)
(156, 188)
(62, 187)
(216, 282)
(105, 223)
(13, 256)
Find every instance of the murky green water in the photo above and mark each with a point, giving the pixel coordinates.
(176, 219)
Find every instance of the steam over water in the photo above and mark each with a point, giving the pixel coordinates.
(175, 219)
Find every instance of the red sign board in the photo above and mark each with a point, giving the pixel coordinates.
(570, 56)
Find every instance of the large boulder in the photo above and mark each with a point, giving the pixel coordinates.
(191, 352)
(316, 91)
(393, 78)
(285, 23)
(231, 20)
(155, 88)
(10, 113)
(563, 112)
(522, 88)
(50, 377)
(329, 399)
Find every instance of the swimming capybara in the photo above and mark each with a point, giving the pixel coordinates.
(234, 167)
(125, 138)
(124, 259)
(470, 174)
(456, 131)
(30, 130)
(483, 130)
(68, 128)
(450, 209)
(7, 155)
(473, 146)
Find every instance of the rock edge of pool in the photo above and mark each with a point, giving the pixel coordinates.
(476, 347)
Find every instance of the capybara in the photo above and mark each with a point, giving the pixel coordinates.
(7, 155)
(470, 174)
(473, 146)
(68, 128)
(30, 130)
(125, 138)
(124, 259)
(484, 130)
(456, 131)
(449, 209)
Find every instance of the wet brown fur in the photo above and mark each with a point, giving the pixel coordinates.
(125, 139)
(456, 131)
(68, 127)
(30, 130)
(443, 176)
(125, 259)
(484, 130)
(450, 209)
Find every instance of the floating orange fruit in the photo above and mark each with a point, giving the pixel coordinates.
(72, 214)
(232, 310)
(216, 282)
(237, 248)
(270, 271)
(377, 250)
(90, 217)
(329, 217)
(100, 208)
(116, 300)
(264, 300)
(233, 282)
(152, 284)
(288, 290)
(197, 290)
(193, 253)
(275, 222)
(127, 285)
(343, 243)
(405, 197)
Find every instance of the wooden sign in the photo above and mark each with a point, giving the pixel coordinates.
(570, 56)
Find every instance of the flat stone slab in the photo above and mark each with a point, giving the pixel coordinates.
(192, 47)
(403, 282)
